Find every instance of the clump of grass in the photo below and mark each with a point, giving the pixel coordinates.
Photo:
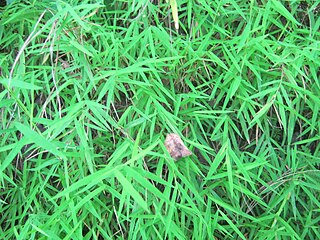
(89, 91)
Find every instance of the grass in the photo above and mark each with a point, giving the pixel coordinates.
(89, 91)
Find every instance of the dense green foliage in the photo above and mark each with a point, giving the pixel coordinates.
(88, 92)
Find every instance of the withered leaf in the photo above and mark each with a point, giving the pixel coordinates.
(176, 147)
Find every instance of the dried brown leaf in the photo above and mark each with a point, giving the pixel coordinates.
(176, 147)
